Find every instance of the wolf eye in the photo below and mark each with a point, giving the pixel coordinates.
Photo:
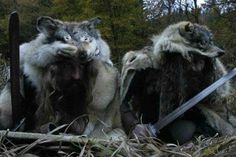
(85, 39)
(68, 37)
(203, 42)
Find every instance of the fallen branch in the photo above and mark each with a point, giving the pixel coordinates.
(49, 137)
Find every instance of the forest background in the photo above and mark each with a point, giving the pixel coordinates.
(127, 24)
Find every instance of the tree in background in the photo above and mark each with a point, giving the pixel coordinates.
(127, 24)
(123, 23)
(28, 10)
(220, 16)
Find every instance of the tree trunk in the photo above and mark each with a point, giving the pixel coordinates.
(196, 11)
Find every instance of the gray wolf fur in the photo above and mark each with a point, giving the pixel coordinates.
(45, 49)
(96, 47)
(103, 108)
(179, 66)
(186, 38)
(59, 40)
(103, 104)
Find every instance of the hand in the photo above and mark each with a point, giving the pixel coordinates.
(142, 132)
(66, 49)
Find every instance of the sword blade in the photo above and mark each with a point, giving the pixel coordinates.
(154, 128)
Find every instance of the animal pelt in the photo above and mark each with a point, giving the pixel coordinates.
(85, 95)
(153, 91)
(185, 38)
(57, 40)
(104, 103)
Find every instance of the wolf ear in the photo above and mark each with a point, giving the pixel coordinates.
(189, 27)
(47, 25)
(92, 23)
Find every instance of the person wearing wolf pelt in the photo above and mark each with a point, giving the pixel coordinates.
(53, 42)
(177, 68)
(101, 102)
(68, 42)
(194, 41)
(61, 39)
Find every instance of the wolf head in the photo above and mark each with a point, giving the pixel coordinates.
(87, 29)
(54, 30)
(200, 37)
(83, 35)
(88, 37)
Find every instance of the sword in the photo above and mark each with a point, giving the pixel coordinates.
(156, 127)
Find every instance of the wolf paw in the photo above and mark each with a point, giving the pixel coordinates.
(165, 46)
(67, 50)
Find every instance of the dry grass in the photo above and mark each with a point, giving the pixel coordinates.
(70, 146)
(64, 145)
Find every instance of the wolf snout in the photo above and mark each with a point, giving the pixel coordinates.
(214, 52)
(218, 51)
(83, 55)
(221, 52)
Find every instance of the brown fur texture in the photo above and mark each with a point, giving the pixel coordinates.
(63, 97)
(154, 83)
(153, 93)
(89, 91)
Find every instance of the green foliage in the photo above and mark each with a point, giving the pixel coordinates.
(28, 11)
(125, 25)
